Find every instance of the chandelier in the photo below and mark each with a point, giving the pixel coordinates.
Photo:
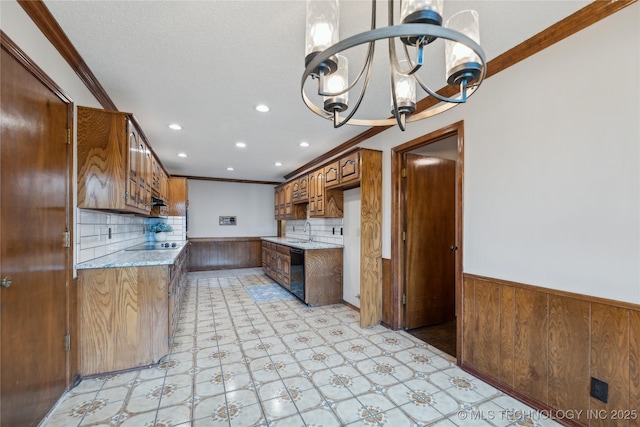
(421, 24)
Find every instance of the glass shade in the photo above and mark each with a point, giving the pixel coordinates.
(462, 62)
(405, 88)
(337, 82)
(421, 11)
(322, 25)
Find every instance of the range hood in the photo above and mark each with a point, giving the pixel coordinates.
(157, 202)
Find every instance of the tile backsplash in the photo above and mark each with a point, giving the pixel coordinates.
(102, 233)
(325, 230)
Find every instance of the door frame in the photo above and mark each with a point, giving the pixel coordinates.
(397, 224)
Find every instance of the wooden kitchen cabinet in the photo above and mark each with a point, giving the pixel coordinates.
(177, 285)
(323, 202)
(284, 208)
(127, 315)
(344, 173)
(178, 196)
(159, 180)
(283, 266)
(331, 175)
(300, 194)
(123, 318)
(112, 162)
(322, 271)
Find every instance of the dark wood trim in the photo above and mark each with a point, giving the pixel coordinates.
(32, 67)
(583, 18)
(614, 303)
(397, 213)
(44, 20)
(239, 181)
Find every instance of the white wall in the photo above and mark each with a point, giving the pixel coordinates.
(351, 251)
(552, 166)
(251, 204)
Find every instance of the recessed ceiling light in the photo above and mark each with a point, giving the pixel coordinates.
(241, 144)
(262, 108)
(175, 126)
(229, 168)
(278, 164)
(182, 154)
(304, 144)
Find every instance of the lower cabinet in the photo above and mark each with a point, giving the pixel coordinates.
(322, 272)
(177, 285)
(127, 314)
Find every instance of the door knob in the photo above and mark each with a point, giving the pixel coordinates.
(6, 282)
(453, 248)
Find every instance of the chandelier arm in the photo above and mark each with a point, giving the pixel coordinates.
(393, 61)
(419, 58)
(365, 85)
(439, 97)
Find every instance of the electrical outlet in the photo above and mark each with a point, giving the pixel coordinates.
(334, 230)
(599, 390)
(109, 232)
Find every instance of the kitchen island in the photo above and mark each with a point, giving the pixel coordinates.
(312, 271)
(128, 306)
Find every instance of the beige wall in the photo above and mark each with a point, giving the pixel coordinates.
(552, 166)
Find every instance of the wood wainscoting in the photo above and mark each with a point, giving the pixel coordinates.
(222, 253)
(543, 346)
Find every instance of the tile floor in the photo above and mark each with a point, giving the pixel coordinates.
(235, 362)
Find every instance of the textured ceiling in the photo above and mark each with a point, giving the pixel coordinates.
(206, 64)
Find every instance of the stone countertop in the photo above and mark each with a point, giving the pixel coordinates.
(300, 244)
(135, 258)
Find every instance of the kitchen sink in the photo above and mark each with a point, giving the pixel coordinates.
(298, 242)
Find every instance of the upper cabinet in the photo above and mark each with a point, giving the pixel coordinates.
(178, 197)
(344, 172)
(284, 206)
(113, 163)
(322, 189)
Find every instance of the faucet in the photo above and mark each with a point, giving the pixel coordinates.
(305, 229)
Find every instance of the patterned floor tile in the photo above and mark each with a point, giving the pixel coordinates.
(235, 362)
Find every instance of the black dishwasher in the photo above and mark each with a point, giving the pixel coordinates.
(296, 274)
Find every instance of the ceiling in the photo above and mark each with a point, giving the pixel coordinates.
(206, 64)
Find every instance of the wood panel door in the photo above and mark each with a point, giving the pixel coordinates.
(34, 215)
(430, 236)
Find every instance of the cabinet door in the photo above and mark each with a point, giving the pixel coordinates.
(133, 190)
(331, 175)
(288, 200)
(178, 201)
(145, 176)
(286, 271)
(295, 191)
(350, 168)
(302, 189)
(281, 203)
(312, 193)
(320, 193)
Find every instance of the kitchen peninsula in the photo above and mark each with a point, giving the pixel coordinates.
(312, 271)
(128, 306)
